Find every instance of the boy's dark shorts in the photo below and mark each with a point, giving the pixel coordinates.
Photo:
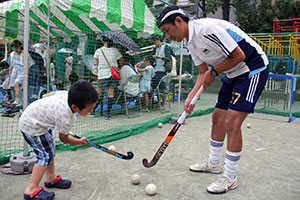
(43, 146)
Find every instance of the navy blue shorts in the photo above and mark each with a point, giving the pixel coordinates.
(241, 93)
(43, 146)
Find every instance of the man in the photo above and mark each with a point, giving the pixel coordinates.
(230, 50)
(162, 55)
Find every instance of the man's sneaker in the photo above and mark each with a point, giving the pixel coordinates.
(222, 185)
(206, 166)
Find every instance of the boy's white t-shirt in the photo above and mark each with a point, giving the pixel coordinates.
(51, 112)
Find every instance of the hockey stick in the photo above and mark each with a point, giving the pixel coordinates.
(168, 139)
(119, 155)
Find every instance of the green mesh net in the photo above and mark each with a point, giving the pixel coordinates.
(63, 41)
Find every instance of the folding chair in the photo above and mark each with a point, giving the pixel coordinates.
(131, 79)
(164, 80)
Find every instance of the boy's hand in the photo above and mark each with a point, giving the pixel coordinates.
(83, 141)
(69, 139)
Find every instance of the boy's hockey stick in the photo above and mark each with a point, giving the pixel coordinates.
(119, 155)
(168, 139)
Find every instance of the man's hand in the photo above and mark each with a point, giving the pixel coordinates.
(188, 107)
(207, 79)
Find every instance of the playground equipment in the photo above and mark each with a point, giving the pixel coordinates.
(282, 50)
(286, 25)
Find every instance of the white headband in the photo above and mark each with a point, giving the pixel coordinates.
(171, 13)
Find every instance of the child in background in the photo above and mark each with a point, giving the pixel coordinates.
(68, 69)
(148, 74)
(52, 73)
(57, 111)
(16, 70)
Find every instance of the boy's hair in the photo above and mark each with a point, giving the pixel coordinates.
(150, 58)
(109, 41)
(168, 15)
(81, 94)
(127, 58)
(16, 43)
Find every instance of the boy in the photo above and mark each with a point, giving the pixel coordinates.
(148, 74)
(57, 111)
(230, 50)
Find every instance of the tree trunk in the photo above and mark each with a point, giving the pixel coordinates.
(203, 8)
(226, 9)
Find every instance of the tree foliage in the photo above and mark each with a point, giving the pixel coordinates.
(254, 17)
(208, 6)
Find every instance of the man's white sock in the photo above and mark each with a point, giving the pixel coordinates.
(231, 163)
(215, 151)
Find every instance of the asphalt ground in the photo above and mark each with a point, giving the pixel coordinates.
(268, 169)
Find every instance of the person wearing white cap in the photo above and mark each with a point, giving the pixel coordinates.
(228, 50)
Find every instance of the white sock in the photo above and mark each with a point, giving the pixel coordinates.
(231, 163)
(215, 151)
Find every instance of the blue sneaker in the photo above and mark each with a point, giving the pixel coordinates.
(59, 183)
(40, 194)
(107, 116)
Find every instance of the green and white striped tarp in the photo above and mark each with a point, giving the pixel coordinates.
(76, 17)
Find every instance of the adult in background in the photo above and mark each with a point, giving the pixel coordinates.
(105, 80)
(127, 70)
(230, 50)
(162, 55)
(40, 49)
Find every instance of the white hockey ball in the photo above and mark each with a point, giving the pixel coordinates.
(112, 148)
(160, 125)
(150, 189)
(248, 125)
(135, 179)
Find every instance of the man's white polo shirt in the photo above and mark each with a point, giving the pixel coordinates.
(212, 40)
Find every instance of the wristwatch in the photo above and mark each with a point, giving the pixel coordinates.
(213, 72)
